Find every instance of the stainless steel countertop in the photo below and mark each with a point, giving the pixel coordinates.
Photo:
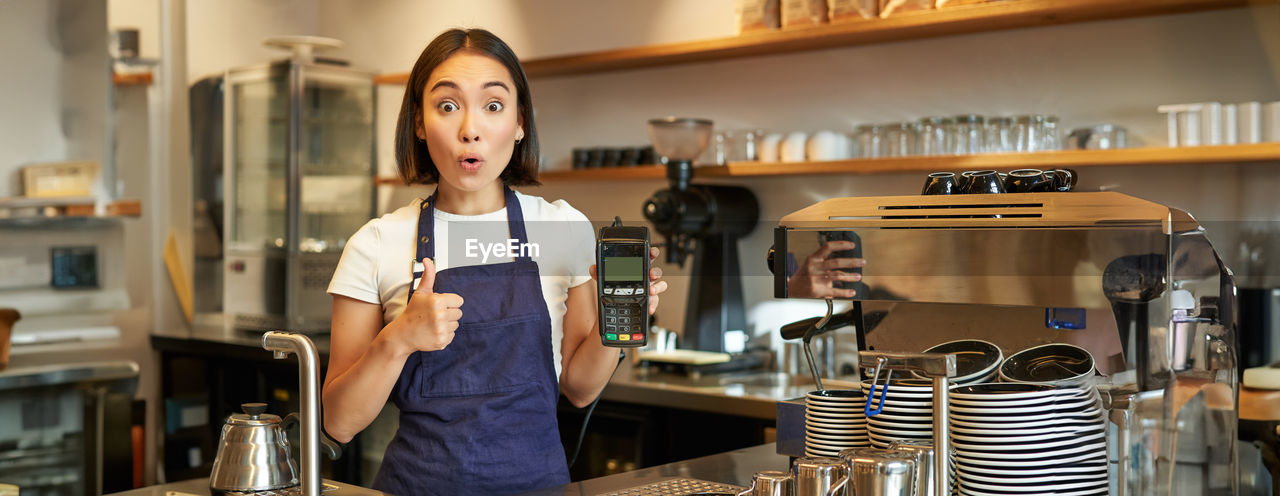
(200, 487)
(214, 331)
(750, 394)
(733, 467)
(72, 373)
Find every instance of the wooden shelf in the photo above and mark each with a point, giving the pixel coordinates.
(975, 18)
(388, 181)
(136, 79)
(1262, 152)
(37, 209)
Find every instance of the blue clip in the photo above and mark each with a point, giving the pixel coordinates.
(1064, 318)
(884, 391)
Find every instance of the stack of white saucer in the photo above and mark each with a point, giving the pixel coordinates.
(834, 421)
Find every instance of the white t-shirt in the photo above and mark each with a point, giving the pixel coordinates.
(375, 265)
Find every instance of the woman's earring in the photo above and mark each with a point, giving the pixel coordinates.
(517, 141)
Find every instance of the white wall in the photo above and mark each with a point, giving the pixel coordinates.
(221, 34)
(30, 92)
(388, 35)
(226, 34)
(143, 15)
(55, 85)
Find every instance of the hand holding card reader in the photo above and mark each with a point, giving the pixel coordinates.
(622, 264)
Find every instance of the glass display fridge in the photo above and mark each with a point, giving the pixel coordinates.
(300, 167)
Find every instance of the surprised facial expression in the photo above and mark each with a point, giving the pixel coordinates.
(470, 119)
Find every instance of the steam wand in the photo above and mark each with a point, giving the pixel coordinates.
(808, 350)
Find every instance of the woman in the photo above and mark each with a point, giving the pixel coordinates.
(474, 353)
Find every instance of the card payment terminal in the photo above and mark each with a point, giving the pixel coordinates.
(622, 264)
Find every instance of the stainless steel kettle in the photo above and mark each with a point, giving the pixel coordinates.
(253, 452)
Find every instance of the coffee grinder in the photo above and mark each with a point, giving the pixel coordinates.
(704, 221)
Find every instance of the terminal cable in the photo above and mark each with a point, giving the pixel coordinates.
(591, 408)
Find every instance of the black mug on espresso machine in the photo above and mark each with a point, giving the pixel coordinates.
(1036, 180)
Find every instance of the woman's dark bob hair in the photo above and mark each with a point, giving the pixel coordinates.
(412, 158)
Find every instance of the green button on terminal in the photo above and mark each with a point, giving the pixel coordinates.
(611, 337)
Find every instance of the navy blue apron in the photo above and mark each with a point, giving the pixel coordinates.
(479, 417)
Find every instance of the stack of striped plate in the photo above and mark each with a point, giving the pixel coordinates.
(1029, 438)
(907, 412)
(834, 421)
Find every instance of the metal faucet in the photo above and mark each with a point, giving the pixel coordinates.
(283, 343)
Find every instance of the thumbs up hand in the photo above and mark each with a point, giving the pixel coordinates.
(430, 318)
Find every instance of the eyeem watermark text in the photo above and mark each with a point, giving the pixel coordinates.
(512, 248)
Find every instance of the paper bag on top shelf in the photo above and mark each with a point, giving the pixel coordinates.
(757, 15)
(803, 13)
(890, 7)
(849, 10)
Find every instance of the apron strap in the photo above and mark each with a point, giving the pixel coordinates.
(425, 241)
(515, 219)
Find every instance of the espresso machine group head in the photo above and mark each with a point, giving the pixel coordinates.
(704, 221)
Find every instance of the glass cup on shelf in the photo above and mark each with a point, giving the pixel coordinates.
(1099, 137)
(746, 145)
(1031, 132)
(741, 145)
(968, 134)
(870, 139)
(999, 135)
(899, 139)
(717, 152)
(934, 135)
(1049, 136)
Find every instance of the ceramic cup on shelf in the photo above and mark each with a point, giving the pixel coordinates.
(826, 145)
(1271, 121)
(769, 147)
(792, 148)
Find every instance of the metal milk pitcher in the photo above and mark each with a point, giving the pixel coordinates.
(771, 483)
(820, 476)
(880, 472)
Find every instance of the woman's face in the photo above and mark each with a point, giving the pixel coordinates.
(470, 119)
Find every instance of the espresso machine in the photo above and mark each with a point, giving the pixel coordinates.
(1134, 282)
